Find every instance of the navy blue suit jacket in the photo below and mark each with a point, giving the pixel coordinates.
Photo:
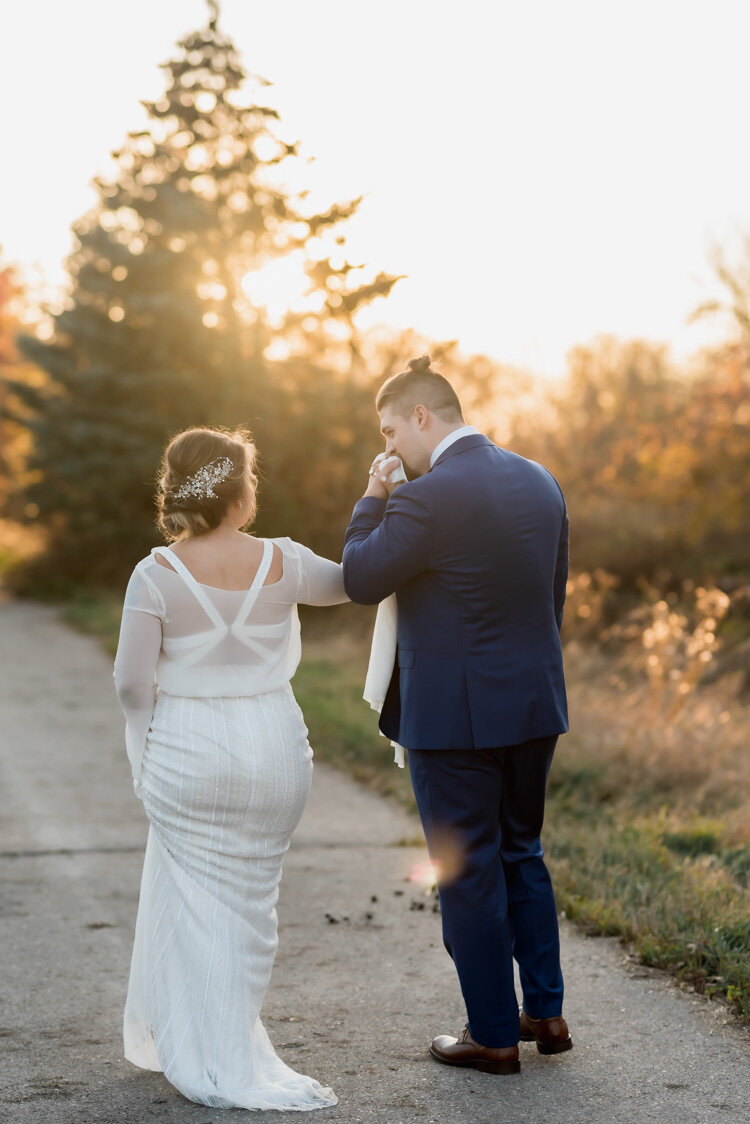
(476, 551)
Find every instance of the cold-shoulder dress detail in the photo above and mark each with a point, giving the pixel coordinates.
(223, 766)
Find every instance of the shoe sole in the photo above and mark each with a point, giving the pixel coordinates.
(505, 1068)
(550, 1047)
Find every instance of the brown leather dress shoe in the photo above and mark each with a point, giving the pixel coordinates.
(551, 1035)
(464, 1051)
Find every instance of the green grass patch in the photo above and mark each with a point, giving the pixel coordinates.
(684, 910)
(96, 612)
(703, 837)
(343, 728)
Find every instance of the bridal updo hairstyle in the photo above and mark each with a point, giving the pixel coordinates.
(186, 517)
(420, 385)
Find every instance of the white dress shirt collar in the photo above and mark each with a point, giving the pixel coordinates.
(454, 435)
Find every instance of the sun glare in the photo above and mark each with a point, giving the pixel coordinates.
(279, 287)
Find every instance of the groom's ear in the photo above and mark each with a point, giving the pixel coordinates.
(422, 414)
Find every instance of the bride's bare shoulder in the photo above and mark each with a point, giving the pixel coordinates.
(218, 563)
(162, 561)
(276, 569)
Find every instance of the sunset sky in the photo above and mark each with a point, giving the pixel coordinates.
(542, 172)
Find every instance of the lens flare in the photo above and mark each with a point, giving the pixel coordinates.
(425, 874)
(447, 861)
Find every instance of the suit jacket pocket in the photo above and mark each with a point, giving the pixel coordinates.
(406, 657)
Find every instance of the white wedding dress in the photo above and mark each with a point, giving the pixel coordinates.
(221, 762)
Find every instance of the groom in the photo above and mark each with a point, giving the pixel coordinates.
(475, 547)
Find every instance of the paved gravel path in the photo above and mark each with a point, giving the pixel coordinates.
(361, 981)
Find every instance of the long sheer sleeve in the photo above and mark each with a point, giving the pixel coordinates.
(135, 663)
(319, 580)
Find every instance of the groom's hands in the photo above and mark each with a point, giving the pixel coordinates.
(380, 486)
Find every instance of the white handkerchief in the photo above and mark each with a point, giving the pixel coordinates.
(382, 658)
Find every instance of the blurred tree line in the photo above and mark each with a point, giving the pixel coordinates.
(165, 326)
(654, 462)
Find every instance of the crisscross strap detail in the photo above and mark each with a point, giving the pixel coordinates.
(260, 576)
(203, 597)
(199, 593)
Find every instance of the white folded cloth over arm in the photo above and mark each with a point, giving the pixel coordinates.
(382, 659)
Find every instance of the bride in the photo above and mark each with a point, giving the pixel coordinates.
(221, 762)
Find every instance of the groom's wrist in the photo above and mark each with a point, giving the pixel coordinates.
(375, 491)
(370, 505)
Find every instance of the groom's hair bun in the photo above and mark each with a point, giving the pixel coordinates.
(421, 364)
(181, 515)
(420, 385)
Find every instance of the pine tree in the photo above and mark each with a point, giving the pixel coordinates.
(14, 439)
(157, 333)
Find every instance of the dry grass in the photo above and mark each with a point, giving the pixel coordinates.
(689, 761)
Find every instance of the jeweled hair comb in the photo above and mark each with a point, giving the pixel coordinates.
(201, 483)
